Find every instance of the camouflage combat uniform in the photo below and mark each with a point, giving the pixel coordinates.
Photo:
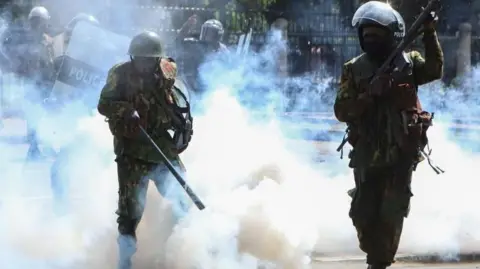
(137, 159)
(386, 134)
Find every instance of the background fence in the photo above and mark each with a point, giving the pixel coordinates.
(320, 36)
(319, 41)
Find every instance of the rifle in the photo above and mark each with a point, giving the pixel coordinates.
(412, 33)
(174, 172)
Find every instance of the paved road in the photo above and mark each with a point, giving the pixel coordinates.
(360, 265)
(17, 150)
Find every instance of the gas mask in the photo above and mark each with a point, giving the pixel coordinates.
(145, 65)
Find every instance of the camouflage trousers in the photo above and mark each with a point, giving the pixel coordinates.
(381, 201)
(133, 179)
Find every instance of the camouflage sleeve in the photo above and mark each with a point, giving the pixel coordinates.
(431, 68)
(112, 104)
(349, 105)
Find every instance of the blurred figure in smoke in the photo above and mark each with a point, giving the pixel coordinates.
(140, 93)
(11, 15)
(186, 28)
(211, 35)
(387, 126)
(58, 174)
(193, 52)
(33, 60)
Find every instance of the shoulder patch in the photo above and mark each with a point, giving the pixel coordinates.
(169, 68)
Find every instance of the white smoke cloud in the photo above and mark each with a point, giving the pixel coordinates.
(266, 203)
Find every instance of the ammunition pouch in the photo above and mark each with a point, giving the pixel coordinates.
(426, 119)
(415, 126)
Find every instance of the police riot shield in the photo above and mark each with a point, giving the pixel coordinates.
(90, 53)
(82, 71)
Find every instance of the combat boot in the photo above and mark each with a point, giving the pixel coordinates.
(377, 266)
(127, 246)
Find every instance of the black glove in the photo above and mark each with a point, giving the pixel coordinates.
(430, 21)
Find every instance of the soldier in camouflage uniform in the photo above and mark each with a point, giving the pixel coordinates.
(33, 60)
(387, 126)
(139, 93)
(193, 52)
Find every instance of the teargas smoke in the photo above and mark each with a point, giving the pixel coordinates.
(267, 203)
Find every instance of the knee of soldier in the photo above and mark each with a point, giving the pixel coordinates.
(127, 226)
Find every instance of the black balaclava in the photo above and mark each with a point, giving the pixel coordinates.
(377, 42)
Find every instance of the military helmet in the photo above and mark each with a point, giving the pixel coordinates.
(80, 17)
(212, 31)
(146, 44)
(39, 12)
(380, 14)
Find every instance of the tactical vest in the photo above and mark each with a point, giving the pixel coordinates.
(155, 103)
(407, 123)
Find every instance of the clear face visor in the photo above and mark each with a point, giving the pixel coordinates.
(378, 12)
(211, 34)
